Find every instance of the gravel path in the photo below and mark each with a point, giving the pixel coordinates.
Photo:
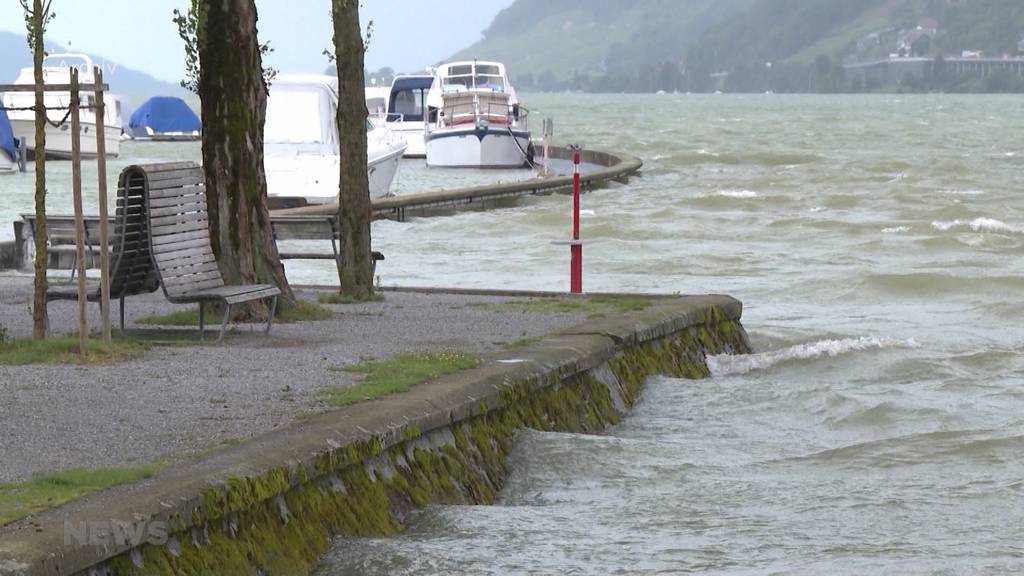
(177, 400)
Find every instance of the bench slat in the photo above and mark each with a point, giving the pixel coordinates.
(159, 222)
(179, 228)
(192, 189)
(178, 209)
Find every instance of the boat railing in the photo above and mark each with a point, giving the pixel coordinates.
(472, 111)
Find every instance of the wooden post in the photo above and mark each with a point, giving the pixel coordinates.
(76, 190)
(101, 176)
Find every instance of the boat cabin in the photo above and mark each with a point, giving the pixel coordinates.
(408, 100)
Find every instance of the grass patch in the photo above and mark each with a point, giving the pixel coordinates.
(65, 350)
(397, 374)
(45, 491)
(594, 307)
(176, 318)
(346, 299)
(302, 311)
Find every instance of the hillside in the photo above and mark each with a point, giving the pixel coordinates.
(743, 45)
(559, 44)
(809, 41)
(136, 86)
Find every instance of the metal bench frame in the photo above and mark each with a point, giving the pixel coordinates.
(179, 242)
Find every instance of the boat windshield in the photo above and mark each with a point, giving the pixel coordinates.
(300, 115)
(409, 104)
(479, 77)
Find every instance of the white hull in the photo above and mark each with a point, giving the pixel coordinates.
(477, 148)
(314, 178)
(412, 133)
(381, 172)
(7, 165)
(58, 140)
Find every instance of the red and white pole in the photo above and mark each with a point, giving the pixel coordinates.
(576, 247)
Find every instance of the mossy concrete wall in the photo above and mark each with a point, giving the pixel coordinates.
(271, 506)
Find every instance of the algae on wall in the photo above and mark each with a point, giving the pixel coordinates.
(282, 522)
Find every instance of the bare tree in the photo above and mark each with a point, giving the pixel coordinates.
(36, 19)
(222, 49)
(355, 267)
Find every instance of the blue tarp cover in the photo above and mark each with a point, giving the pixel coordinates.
(164, 114)
(7, 136)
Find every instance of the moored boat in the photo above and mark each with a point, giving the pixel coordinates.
(57, 70)
(164, 118)
(301, 144)
(8, 147)
(407, 111)
(474, 118)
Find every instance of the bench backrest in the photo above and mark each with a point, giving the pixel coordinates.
(132, 270)
(179, 228)
(60, 229)
(304, 227)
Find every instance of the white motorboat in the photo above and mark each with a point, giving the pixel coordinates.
(8, 147)
(301, 155)
(474, 118)
(377, 100)
(407, 111)
(57, 70)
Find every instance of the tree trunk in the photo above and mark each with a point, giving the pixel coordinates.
(355, 267)
(234, 104)
(40, 316)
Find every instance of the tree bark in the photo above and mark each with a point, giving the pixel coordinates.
(40, 315)
(355, 267)
(234, 104)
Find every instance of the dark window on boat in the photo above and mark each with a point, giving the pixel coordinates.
(408, 105)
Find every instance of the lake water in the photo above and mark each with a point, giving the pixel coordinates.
(877, 243)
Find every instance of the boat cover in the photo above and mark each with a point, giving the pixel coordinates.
(164, 115)
(7, 136)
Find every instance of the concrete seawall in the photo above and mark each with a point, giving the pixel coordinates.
(272, 504)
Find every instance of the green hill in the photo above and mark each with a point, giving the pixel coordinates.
(559, 44)
(734, 45)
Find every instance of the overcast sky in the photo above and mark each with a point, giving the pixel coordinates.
(407, 34)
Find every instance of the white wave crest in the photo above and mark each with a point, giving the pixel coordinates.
(726, 365)
(955, 192)
(978, 225)
(896, 230)
(740, 194)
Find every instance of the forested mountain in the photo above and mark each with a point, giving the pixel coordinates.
(610, 45)
(742, 45)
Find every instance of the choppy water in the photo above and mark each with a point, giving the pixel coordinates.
(877, 244)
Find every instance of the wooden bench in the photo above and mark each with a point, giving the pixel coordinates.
(179, 241)
(60, 240)
(310, 228)
(131, 269)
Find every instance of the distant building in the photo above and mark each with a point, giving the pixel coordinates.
(906, 39)
(1020, 46)
(972, 55)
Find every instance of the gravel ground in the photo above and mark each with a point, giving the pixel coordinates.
(177, 400)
